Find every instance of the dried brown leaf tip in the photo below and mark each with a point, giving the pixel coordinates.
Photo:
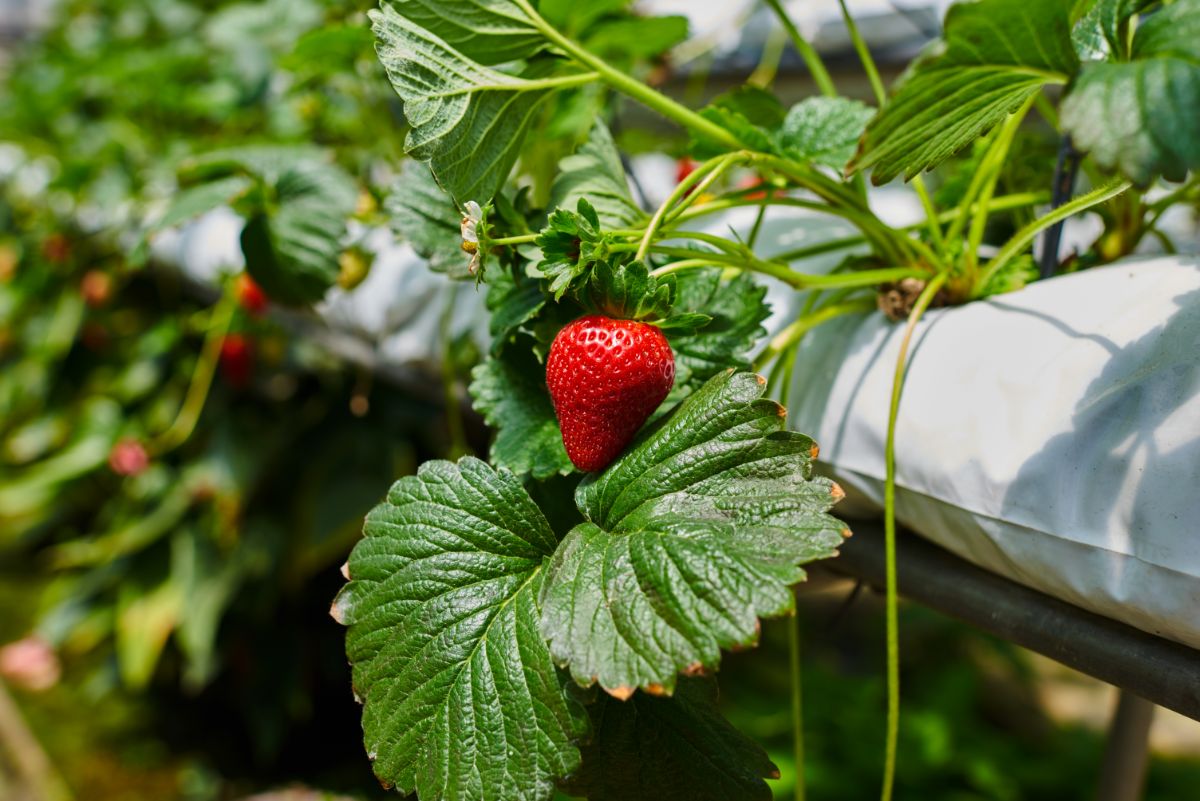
(814, 451)
(847, 533)
(655, 689)
(346, 570)
(752, 642)
(620, 693)
(837, 492)
(761, 381)
(774, 774)
(695, 669)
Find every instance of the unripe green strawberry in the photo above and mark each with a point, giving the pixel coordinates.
(605, 378)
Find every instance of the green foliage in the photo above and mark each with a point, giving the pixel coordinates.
(693, 534)
(996, 54)
(1139, 116)
(674, 749)
(737, 308)
(460, 580)
(460, 697)
(629, 292)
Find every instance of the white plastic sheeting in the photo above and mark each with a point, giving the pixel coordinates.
(1050, 435)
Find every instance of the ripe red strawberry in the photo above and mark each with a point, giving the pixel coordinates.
(237, 360)
(250, 295)
(128, 457)
(605, 378)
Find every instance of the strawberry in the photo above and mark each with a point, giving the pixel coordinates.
(605, 378)
(237, 360)
(250, 295)
(96, 288)
(128, 457)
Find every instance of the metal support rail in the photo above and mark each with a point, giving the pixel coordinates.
(1157, 669)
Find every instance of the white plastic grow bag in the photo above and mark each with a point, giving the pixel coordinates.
(1050, 435)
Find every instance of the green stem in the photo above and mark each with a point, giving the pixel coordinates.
(679, 266)
(185, 421)
(523, 239)
(931, 215)
(631, 86)
(864, 55)
(992, 159)
(681, 191)
(992, 171)
(797, 703)
(889, 523)
(812, 59)
(454, 422)
(1021, 239)
(791, 336)
(798, 280)
(556, 82)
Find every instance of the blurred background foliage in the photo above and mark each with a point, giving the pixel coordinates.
(170, 538)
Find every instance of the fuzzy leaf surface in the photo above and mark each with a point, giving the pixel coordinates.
(824, 130)
(468, 120)
(461, 699)
(996, 54)
(671, 749)
(691, 536)
(485, 31)
(1140, 116)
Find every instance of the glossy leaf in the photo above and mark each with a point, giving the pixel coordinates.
(671, 749)
(1140, 116)
(461, 700)
(692, 535)
(996, 54)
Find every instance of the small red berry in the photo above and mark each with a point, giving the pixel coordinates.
(128, 457)
(56, 248)
(606, 377)
(96, 288)
(250, 295)
(753, 182)
(237, 360)
(683, 168)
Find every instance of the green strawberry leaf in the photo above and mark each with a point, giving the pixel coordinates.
(1103, 27)
(995, 55)
(737, 309)
(692, 535)
(670, 749)
(823, 130)
(461, 699)
(485, 31)
(1139, 116)
(509, 390)
(636, 37)
(424, 215)
(467, 119)
(594, 172)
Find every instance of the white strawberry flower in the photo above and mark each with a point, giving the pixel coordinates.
(470, 234)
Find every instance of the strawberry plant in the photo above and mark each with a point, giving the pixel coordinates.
(484, 609)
